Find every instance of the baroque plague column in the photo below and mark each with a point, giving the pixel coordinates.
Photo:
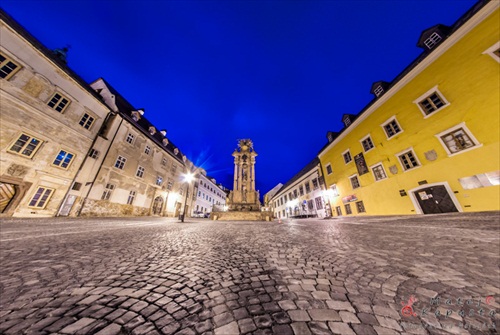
(244, 197)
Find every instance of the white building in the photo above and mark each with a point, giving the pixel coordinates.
(303, 196)
(208, 195)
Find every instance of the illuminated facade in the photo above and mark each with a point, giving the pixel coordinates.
(429, 141)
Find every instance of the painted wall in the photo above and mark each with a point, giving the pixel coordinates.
(469, 80)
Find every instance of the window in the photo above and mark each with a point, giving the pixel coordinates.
(354, 181)
(131, 197)
(94, 153)
(120, 162)
(378, 171)
(432, 40)
(41, 197)
(348, 208)
(301, 190)
(391, 127)
(159, 180)
(164, 161)
(86, 121)
(431, 102)
(63, 159)
(329, 169)
(408, 160)
(295, 194)
(130, 138)
(494, 51)
(26, 145)
(315, 183)
(173, 169)
(335, 192)
(7, 67)
(378, 91)
(286, 199)
(360, 207)
(58, 102)
(457, 139)
(347, 156)
(319, 203)
(308, 187)
(170, 185)
(147, 149)
(76, 186)
(310, 205)
(367, 143)
(107, 191)
(140, 172)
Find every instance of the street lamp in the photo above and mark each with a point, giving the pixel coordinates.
(187, 179)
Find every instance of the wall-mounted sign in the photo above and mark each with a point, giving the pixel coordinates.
(349, 198)
(361, 164)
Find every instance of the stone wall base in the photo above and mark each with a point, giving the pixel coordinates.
(241, 216)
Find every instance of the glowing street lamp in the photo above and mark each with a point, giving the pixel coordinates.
(188, 177)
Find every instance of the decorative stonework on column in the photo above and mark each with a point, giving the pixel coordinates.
(244, 197)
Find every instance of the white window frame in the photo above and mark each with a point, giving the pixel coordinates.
(383, 169)
(60, 165)
(25, 146)
(108, 191)
(414, 155)
(350, 181)
(147, 149)
(56, 105)
(491, 51)
(326, 169)
(378, 90)
(5, 64)
(350, 156)
(391, 119)
(363, 147)
(425, 96)
(139, 173)
(433, 40)
(86, 124)
(132, 138)
(159, 180)
(42, 194)
(123, 160)
(462, 125)
(131, 197)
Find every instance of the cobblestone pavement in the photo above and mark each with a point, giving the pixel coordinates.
(337, 276)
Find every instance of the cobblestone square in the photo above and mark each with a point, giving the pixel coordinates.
(433, 274)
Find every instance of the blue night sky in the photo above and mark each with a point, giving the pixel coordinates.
(279, 72)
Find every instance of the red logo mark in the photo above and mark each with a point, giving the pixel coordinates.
(490, 300)
(407, 309)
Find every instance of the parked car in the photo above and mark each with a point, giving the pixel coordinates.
(197, 214)
(206, 215)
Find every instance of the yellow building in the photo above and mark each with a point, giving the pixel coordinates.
(429, 141)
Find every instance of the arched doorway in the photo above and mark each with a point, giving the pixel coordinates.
(157, 205)
(7, 194)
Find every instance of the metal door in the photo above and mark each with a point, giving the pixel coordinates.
(435, 200)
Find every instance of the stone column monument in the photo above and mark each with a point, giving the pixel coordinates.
(244, 197)
(243, 201)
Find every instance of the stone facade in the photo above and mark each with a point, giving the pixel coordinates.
(48, 122)
(244, 197)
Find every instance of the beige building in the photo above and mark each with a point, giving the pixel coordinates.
(49, 119)
(141, 171)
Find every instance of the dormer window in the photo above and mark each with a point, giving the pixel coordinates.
(165, 142)
(432, 40)
(136, 116)
(347, 120)
(163, 132)
(152, 130)
(176, 151)
(378, 91)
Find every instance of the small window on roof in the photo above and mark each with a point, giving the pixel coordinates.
(378, 91)
(432, 40)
